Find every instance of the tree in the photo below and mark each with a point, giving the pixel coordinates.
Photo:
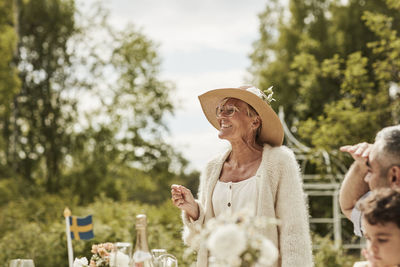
(34, 129)
(331, 65)
(364, 105)
(112, 157)
(120, 149)
(67, 59)
(9, 82)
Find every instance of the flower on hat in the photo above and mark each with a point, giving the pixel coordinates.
(266, 95)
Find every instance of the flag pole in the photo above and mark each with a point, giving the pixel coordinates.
(67, 214)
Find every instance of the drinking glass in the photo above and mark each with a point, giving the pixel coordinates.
(157, 252)
(21, 263)
(162, 259)
(121, 256)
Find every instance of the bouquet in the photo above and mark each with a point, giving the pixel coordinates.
(103, 256)
(237, 240)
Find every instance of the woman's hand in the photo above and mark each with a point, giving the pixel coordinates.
(183, 199)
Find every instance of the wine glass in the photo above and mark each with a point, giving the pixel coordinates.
(162, 259)
(22, 263)
(121, 255)
(157, 252)
(168, 260)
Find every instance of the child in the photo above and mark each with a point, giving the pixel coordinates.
(381, 221)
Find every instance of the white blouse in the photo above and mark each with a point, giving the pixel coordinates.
(231, 197)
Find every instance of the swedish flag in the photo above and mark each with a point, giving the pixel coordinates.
(81, 228)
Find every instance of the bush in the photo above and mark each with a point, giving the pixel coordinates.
(32, 229)
(328, 256)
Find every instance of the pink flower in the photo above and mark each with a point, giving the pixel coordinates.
(94, 249)
(102, 252)
(109, 246)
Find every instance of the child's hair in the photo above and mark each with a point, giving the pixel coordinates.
(382, 206)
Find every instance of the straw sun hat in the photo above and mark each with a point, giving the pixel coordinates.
(271, 127)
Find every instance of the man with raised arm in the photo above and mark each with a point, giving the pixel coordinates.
(375, 166)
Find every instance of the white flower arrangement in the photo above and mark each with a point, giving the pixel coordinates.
(81, 262)
(237, 240)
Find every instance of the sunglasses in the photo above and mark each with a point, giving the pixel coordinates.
(226, 110)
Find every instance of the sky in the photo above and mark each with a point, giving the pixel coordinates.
(203, 45)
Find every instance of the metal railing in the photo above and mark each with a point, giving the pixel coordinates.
(321, 185)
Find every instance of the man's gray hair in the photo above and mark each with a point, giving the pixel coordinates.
(388, 140)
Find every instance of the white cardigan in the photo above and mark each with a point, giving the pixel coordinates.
(280, 196)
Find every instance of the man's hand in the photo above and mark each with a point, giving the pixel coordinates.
(354, 186)
(359, 152)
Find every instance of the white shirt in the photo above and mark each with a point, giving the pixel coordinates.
(361, 264)
(231, 197)
(356, 217)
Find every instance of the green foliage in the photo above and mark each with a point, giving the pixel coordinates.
(35, 245)
(34, 129)
(42, 227)
(329, 256)
(108, 161)
(332, 65)
(9, 83)
(393, 4)
(47, 141)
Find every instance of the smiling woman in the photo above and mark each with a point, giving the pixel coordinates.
(232, 115)
(256, 173)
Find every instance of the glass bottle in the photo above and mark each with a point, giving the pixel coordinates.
(141, 256)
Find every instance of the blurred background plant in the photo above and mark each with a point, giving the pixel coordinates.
(334, 63)
(328, 255)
